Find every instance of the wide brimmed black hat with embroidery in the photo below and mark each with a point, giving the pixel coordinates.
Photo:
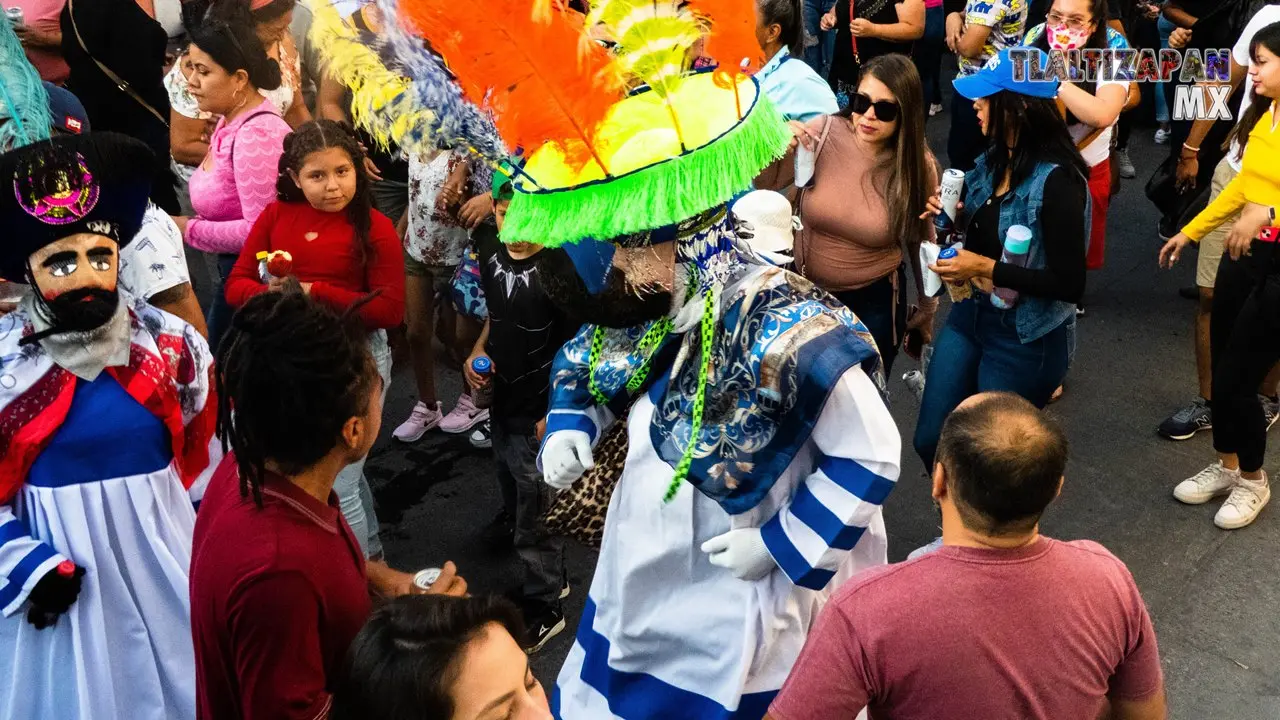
(96, 183)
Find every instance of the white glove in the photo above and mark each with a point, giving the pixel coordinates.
(566, 454)
(742, 552)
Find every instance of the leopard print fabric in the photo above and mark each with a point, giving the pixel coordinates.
(579, 511)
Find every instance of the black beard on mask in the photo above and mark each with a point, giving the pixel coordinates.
(82, 309)
(616, 306)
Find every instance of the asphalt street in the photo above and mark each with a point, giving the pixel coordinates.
(1212, 593)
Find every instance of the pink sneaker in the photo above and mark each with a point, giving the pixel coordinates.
(422, 419)
(464, 416)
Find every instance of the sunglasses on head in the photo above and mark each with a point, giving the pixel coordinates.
(886, 111)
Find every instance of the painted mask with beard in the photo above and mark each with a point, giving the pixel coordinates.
(75, 284)
(637, 287)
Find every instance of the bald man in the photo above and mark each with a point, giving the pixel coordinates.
(1000, 622)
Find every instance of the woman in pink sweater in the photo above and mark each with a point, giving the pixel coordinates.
(237, 179)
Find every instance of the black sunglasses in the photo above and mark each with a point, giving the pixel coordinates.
(886, 111)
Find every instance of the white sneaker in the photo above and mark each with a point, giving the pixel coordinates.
(1207, 484)
(1244, 503)
(934, 109)
(1162, 136)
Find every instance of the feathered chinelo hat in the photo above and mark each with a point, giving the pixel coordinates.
(610, 141)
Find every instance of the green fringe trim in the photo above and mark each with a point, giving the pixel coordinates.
(657, 195)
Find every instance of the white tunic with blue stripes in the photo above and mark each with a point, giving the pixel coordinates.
(665, 634)
(105, 493)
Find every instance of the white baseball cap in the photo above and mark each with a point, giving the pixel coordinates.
(771, 226)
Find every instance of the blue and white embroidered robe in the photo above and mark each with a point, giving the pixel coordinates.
(797, 441)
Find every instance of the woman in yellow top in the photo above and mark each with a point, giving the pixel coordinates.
(1245, 325)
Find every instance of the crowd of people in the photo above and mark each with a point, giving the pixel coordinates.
(674, 254)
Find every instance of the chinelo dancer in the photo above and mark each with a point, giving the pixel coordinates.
(106, 423)
(761, 447)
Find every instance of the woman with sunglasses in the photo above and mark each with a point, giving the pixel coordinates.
(1030, 175)
(1092, 105)
(872, 168)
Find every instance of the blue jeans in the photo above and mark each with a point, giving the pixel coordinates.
(1162, 102)
(218, 318)
(351, 486)
(928, 54)
(883, 311)
(819, 56)
(979, 351)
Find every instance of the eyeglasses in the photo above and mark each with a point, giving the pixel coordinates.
(1075, 22)
(886, 111)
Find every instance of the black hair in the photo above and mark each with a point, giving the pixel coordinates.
(1097, 40)
(1269, 38)
(1004, 461)
(271, 11)
(194, 12)
(1039, 134)
(227, 35)
(317, 135)
(404, 661)
(788, 15)
(290, 374)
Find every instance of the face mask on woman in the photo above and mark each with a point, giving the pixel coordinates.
(1062, 37)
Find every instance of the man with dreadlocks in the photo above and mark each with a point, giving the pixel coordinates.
(279, 584)
(106, 422)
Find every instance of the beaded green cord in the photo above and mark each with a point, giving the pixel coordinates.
(708, 330)
(649, 342)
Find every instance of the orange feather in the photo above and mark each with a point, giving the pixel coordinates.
(530, 74)
(732, 37)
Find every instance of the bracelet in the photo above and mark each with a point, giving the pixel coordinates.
(1188, 147)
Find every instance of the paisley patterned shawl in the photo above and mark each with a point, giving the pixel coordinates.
(781, 346)
(170, 372)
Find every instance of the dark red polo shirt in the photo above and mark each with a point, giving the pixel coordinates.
(277, 595)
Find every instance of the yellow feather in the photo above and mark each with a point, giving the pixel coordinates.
(381, 103)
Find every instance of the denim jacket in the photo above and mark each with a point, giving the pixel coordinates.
(1034, 316)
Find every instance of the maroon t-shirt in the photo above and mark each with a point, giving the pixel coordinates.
(277, 595)
(1045, 631)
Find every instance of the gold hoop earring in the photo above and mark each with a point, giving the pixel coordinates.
(241, 103)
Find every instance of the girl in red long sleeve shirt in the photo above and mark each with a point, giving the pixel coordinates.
(342, 250)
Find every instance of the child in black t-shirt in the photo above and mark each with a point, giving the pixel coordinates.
(521, 338)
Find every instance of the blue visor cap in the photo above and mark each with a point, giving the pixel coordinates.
(1010, 69)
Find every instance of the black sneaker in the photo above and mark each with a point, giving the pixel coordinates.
(1191, 292)
(500, 533)
(542, 623)
(1188, 421)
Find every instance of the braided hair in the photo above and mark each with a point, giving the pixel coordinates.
(317, 135)
(291, 373)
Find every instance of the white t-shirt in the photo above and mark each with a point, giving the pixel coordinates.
(169, 15)
(1100, 148)
(1240, 54)
(155, 260)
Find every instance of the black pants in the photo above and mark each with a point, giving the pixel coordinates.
(966, 141)
(527, 498)
(883, 311)
(1244, 338)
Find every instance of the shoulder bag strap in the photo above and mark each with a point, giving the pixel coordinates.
(822, 141)
(119, 81)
